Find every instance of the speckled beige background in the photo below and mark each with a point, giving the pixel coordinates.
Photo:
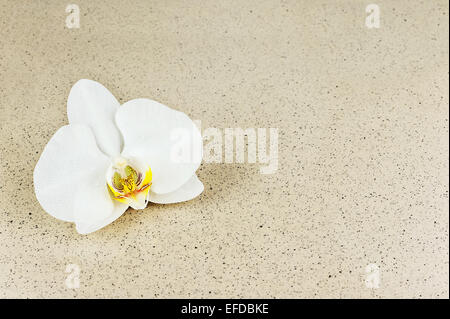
(363, 144)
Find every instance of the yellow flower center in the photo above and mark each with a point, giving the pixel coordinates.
(128, 184)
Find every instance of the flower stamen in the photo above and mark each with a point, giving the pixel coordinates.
(128, 184)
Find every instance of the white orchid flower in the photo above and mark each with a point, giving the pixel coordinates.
(113, 156)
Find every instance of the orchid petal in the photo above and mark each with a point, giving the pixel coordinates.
(91, 104)
(191, 189)
(156, 134)
(69, 178)
(87, 227)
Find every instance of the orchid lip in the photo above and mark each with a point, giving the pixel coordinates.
(129, 182)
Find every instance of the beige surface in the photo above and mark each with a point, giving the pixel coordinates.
(363, 170)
